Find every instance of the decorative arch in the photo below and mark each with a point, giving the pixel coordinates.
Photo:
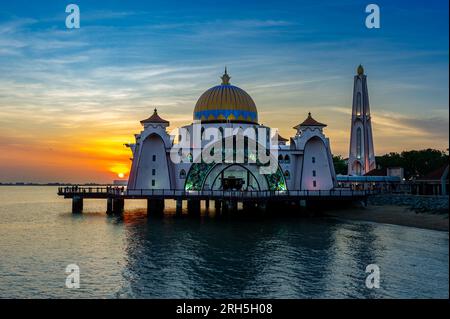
(198, 173)
(231, 165)
(357, 167)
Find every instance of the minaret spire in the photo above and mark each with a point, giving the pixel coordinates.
(225, 78)
(361, 159)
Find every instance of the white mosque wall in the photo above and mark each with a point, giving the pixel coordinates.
(316, 172)
(159, 172)
(152, 171)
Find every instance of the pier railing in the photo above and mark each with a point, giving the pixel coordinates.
(104, 192)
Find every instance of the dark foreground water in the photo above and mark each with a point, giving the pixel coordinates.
(136, 257)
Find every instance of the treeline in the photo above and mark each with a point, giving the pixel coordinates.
(414, 163)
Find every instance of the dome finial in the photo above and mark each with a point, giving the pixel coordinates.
(155, 111)
(225, 78)
(360, 70)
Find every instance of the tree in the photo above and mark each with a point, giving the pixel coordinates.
(340, 166)
(415, 162)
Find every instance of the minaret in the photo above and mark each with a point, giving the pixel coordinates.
(361, 157)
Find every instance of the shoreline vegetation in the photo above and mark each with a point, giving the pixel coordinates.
(395, 215)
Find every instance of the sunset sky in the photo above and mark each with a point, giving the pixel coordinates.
(70, 99)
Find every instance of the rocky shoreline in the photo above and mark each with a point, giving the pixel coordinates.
(416, 203)
(427, 212)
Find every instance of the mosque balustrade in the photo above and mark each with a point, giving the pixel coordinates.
(182, 193)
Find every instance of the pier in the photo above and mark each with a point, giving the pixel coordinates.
(223, 200)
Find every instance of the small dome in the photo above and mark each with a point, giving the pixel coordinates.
(225, 103)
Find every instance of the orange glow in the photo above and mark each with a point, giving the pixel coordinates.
(120, 169)
(94, 151)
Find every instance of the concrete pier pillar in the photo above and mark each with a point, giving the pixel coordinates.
(193, 206)
(77, 205)
(118, 205)
(109, 206)
(248, 206)
(230, 206)
(234, 206)
(179, 207)
(155, 207)
(217, 206)
(262, 206)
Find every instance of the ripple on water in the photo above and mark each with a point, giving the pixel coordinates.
(136, 257)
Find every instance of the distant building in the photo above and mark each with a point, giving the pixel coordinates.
(434, 183)
(389, 171)
(361, 155)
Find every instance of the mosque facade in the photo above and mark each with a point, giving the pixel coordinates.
(223, 117)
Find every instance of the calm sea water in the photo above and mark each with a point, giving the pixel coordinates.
(137, 257)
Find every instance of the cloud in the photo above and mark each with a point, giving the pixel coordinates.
(102, 79)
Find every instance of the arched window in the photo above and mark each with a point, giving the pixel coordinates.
(287, 159)
(182, 174)
(202, 132)
(280, 158)
(287, 175)
(358, 143)
(358, 104)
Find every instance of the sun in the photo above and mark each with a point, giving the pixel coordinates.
(121, 175)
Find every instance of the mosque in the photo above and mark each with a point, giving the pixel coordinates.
(226, 155)
(164, 161)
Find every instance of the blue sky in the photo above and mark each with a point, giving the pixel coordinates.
(290, 56)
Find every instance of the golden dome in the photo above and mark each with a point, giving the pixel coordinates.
(225, 103)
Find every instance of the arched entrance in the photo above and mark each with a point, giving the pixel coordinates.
(203, 176)
(233, 177)
(357, 167)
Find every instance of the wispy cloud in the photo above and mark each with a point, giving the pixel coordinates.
(91, 86)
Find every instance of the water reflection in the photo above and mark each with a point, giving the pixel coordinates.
(132, 256)
(217, 258)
